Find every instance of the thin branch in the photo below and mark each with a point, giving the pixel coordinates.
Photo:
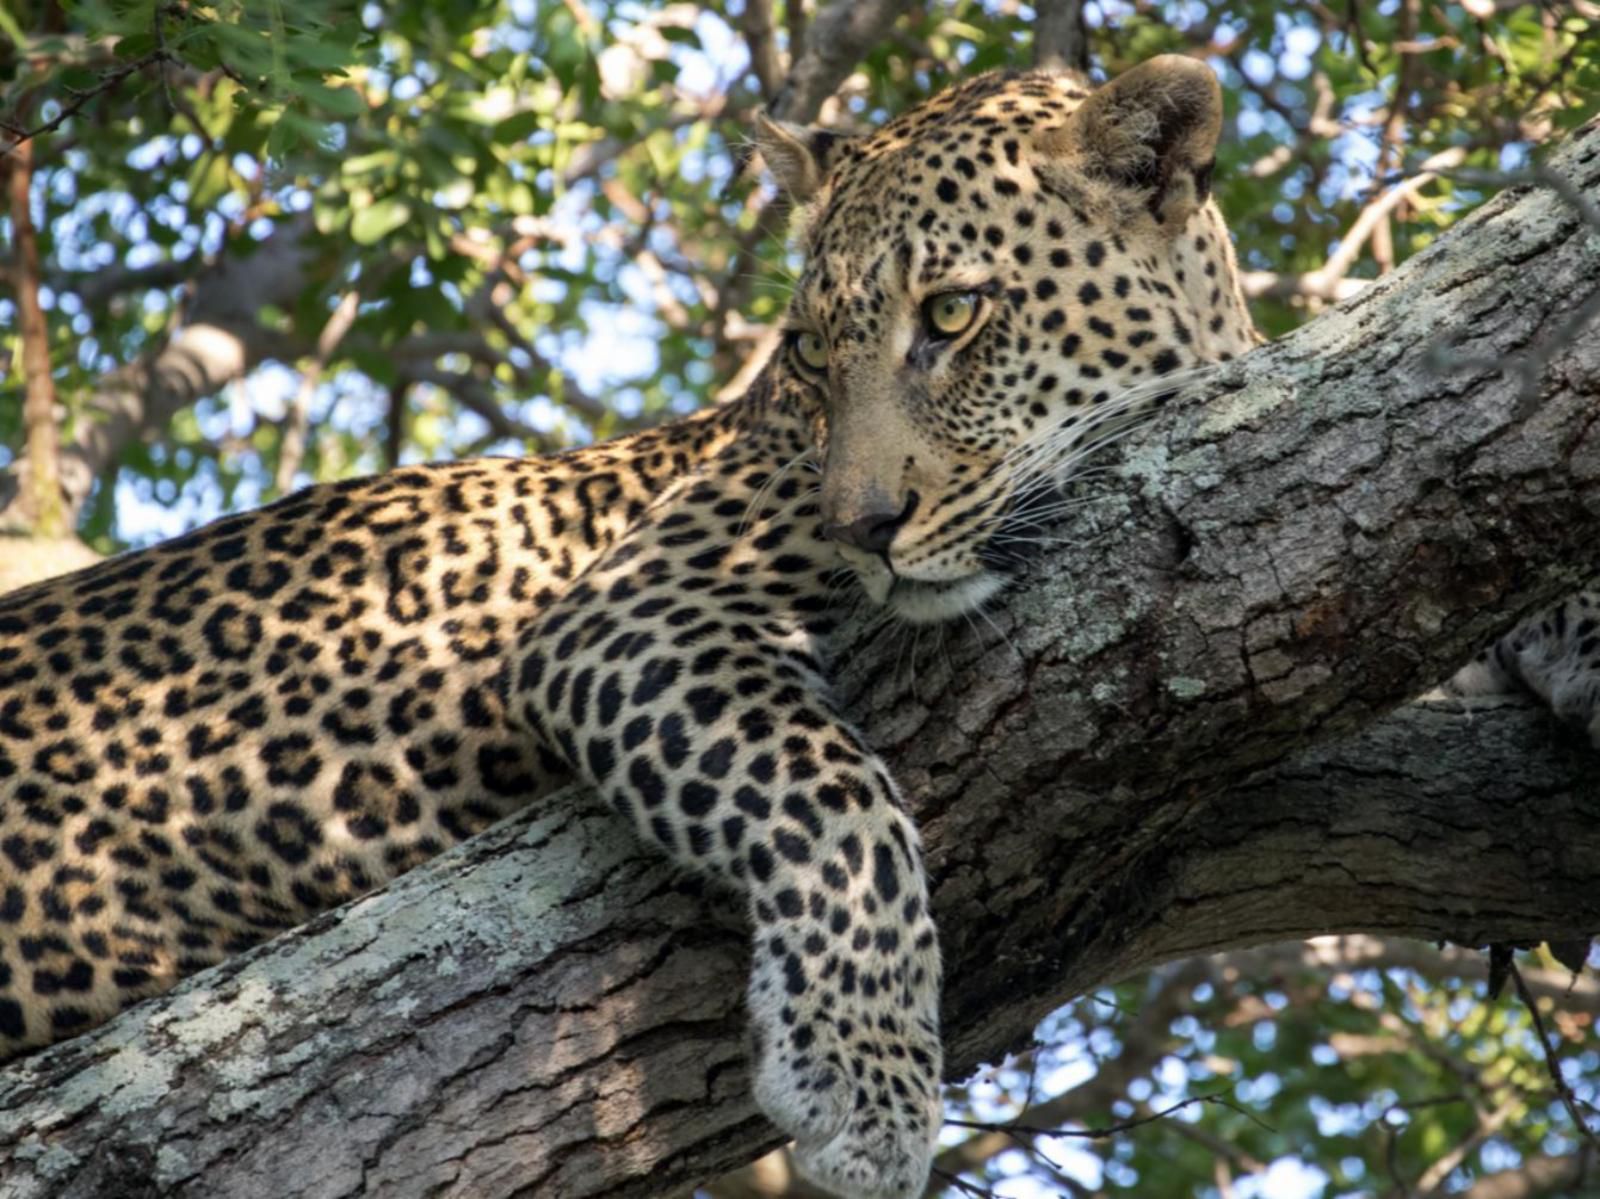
(1311, 285)
(586, 20)
(112, 80)
(1392, 141)
(966, 1188)
(394, 434)
(1488, 1123)
(1372, 216)
(794, 19)
(1537, 1175)
(1220, 1098)
(473, 394)
(298, 419)
(1552, 1064)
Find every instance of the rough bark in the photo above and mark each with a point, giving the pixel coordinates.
(1174, 740)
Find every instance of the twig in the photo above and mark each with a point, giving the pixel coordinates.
(1111, 1130)
(1357, 35)
(585, 19)
(1551, 1064)
(1392, 139)
(1487, 1124)
(962, 1185)
(1327, 277)
(394, 434)
(111, 81)
(297, 421)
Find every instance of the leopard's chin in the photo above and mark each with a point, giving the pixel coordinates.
(918, 602)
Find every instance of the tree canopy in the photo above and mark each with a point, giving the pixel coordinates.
(258, 243)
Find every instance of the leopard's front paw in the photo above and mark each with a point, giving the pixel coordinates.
(803, 1092)
(861, 1103)
(876, 1155)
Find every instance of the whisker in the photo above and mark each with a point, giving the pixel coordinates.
(772, 481)
(989, 620)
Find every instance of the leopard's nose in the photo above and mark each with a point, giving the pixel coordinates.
(873, 527)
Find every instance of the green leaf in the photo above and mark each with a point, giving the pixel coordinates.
(338, 101)
(208, 181)
(379, 219)
(517, 127)
(364, 164)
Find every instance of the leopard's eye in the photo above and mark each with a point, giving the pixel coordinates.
(810, 351)
(951, 313)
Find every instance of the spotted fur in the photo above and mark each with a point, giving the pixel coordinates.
(207, 742)
(1555, 655)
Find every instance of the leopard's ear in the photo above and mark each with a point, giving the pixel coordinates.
(799, 156)
(1152, 131)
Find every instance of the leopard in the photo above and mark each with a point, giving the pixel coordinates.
(209, 741)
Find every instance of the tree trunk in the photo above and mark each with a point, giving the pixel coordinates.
(1172, 743)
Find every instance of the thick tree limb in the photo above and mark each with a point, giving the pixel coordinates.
(549, 1011)
(840, 33)
(1060, 36)
(1169, 745)
(1433, 962)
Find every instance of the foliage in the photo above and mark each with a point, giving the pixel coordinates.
(1355, 1068)
(535, 204)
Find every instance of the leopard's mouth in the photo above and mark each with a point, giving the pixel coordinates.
(919, 602)
(922, 601)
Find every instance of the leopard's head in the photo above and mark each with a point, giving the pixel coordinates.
(993, 281)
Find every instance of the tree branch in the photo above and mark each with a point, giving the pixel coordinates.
(838, 36)
(110, 81)
(297, 421)
(220, 341)
(1060, 36)
(756, 25)
(1310, 285)
(561, 1014)
(1175, 746)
